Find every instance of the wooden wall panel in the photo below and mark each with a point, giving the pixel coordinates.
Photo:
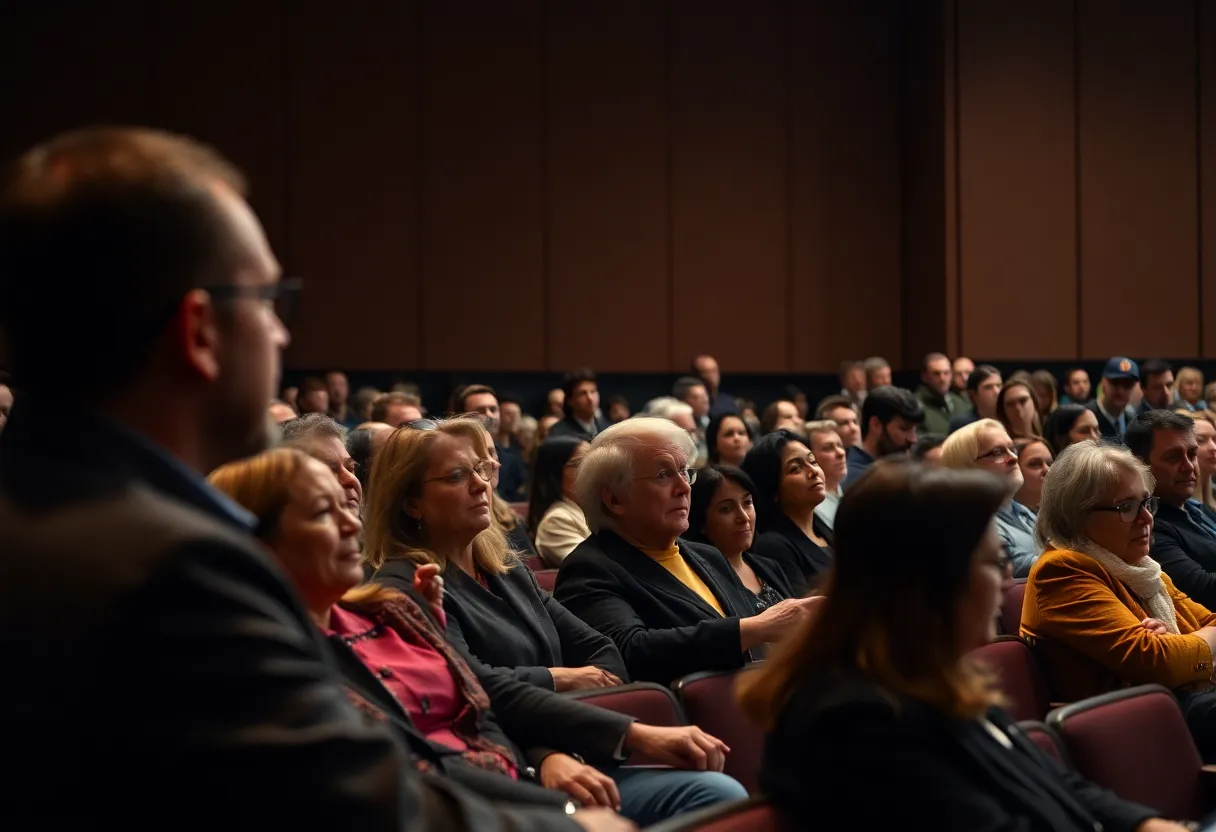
(1206, 27)
(67, 65)
(482, 185)
(1017, 177)
(1138, 191)
(225, 85)
(607, 230)
(729, 199)
(844, 184)
(353, 142)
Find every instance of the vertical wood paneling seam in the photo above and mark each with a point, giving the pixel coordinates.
(1198, 28)
(546, 202)
(788, 181)
(669, 183)
(285, 109)
(956, 118)
(1076, 172)
(420, 178)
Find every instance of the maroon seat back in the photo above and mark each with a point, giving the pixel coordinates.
(752, 815)
(546, 578)
(649, 703)
(709, 703)
(1135, 742)
(1011, 608)
(1021, 678)
(1046, 740)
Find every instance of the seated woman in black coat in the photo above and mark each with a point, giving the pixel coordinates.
(790, 485)
(671, 607)
(877, 694)
(723, 514)
(495, 609)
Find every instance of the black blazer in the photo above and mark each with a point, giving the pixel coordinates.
(800, 557)
(1186, 553)
(570, 427)
(183, 646)
(513, 625)
(1107, 428)
(771, 573)
(840, 743)
(663, 629)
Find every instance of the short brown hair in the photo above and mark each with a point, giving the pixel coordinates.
(461, 395)
(381, 404)
(889, 612)
(105, 229)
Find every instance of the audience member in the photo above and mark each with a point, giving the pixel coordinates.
(1076, 387)
(1046, 393)
(728, 439)
(853, 381)
(554, 516)
(928, 449)
(1157, 382)
(941, 404)
(580, 406)
(1070, 424)
(878, 372)
(395, 408)
(961, 371)
(1113, 405)
(983, 390)
(1035, 459)
(1017, 408)
(845, 414)
(1188, 389)
(313, 397)
(319, 436)
(705, 367)
(824, 442)
(889, 420)
(878, 687)
(781, 414)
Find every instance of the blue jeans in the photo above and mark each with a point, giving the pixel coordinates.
(651, 795)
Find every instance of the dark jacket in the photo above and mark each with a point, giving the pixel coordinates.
(513, 625)
(803, 561)
(939, 409)
(528, 722)
(570, 427)
(771, 573)
(1186, 552)
(184, 649)
(838, 737)
(1106, 427)
(663, 629)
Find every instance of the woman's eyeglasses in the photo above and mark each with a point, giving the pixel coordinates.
(1130, 510)
(460, 476)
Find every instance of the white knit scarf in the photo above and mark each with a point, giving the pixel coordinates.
(1143, 579)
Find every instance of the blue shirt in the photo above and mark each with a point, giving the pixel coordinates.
(1015, 526)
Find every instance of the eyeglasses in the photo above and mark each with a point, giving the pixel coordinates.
(284, 295)
(460, 476)
(1130, 510)
(420, 424)
(689, 475)
(999, 453)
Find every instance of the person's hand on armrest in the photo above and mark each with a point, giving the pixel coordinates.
(581, 678)
(587, 785)
(686, 747)
(777, 621)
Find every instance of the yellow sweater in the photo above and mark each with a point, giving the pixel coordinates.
(673, 562)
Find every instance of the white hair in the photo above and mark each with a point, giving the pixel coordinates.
(667, 407)
(1081, 476)
(609, 462)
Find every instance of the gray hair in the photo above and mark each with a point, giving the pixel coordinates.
(665, 407)
(309, 427)
(1078, 479)
(609, 462)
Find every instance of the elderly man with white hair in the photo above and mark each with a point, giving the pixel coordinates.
(672, 607)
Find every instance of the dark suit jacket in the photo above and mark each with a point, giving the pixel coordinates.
(839, 740)
(1186, 553)
(771, 573)
(570, 427)
(513, 625)
(663, 629)
(148, 623)
(799, 556)
(1107, 428)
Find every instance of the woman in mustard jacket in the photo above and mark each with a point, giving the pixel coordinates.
(1098, 610)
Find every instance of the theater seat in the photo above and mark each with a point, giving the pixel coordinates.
(1011, 608)
(1135, 742)
(533, 562)
(709, 702)
(648, 702)
(546, 578)
(752, 815)
(1021, 678)
(1042, 736)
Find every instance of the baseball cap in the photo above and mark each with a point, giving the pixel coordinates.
(1120, 367)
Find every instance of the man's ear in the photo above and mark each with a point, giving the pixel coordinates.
(197, 334)
(611, 501)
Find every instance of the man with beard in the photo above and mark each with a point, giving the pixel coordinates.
(889, 418)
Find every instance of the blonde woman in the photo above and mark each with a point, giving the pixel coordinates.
(1205, 435)
(1188, 389)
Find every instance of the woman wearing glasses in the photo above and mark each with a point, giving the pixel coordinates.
(671, 607)
(1098, 610)
(429, 502)
(985, 445)
(790, 485)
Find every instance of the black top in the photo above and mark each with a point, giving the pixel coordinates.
(838, 740)
(512, 625)
(127, 572)
(802, 560)
(1186, 552)
(662, 628)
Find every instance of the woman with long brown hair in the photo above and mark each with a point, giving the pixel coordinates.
(878, 690)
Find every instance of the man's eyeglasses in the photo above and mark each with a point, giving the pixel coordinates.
(283, 295)
(689, 475)
(999, 453)
(1130, 510)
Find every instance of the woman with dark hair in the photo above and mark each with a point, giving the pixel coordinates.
(1017, 408)
(554, 517)
(790, 484)
(728, 439)
(722, 513)
(1070, 424)
(878, 687)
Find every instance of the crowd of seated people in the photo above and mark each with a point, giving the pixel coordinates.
(347, 607)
